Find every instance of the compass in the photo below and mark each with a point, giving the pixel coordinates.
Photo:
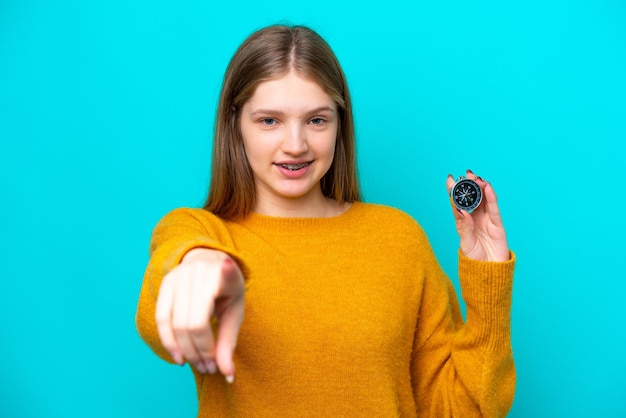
(466, 194)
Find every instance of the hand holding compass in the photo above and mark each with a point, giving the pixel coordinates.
(478, 221)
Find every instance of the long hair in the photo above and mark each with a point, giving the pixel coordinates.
(266, 55)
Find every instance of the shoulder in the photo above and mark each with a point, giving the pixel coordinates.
(387, 213)
(188, 216)
(191, 219)
(191, 214)
(396, 235)
(391, 219)
(192, 225)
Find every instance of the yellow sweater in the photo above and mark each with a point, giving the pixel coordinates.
(349, 316)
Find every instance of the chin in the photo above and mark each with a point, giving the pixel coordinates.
(294, 193)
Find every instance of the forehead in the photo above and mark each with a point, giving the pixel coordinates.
(289, 91)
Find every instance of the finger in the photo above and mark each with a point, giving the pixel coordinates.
(492, 205)
(470, 174)
(464, 224)
(481, 182)
(468, 242)
(232, 283)
(230, 318)
(201, 310)
(450, 183)
(163, 316)
(229, 325)
(180, 320)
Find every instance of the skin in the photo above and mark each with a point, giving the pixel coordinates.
(288, 119)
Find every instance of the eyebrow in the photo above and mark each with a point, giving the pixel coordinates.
(276, 112)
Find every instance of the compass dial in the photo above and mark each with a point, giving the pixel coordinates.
(466, 195)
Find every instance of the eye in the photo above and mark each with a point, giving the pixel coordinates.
(268, 121)
(317, 121)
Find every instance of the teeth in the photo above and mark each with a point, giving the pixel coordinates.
(294, 167)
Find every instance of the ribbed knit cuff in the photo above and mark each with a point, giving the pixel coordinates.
(487, 289)
(176, 252)
(176, 255)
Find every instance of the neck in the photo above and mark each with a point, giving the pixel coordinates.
(313, 206)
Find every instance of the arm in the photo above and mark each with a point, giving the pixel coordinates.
(189, 278)
(466, 369)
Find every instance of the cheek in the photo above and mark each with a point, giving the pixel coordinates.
(252, 153)
(331, 151)
(331, 143)
(250, 143)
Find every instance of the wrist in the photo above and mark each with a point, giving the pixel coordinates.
(204, 254)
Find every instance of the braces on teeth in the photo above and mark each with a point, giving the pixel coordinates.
(293, 167)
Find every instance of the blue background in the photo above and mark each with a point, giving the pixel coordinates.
(106, 114)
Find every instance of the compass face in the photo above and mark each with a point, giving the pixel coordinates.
(466, 195)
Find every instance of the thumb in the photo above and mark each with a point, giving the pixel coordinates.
(230, 271)
(465, 228)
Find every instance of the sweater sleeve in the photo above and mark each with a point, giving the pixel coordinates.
(177, 233)
(465, 369)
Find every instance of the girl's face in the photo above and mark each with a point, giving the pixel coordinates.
(289, 129)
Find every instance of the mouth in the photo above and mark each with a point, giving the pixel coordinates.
(295, 167)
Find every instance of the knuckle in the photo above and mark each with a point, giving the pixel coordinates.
(170, 277)
(162, 319)
(198, 330)
(180, 326)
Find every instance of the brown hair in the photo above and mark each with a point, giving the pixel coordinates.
(265, 55)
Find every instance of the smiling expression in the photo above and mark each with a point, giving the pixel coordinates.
(289, 129)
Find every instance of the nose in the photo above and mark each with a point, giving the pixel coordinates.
(295, 141)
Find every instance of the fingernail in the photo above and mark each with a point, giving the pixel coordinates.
(201, 368)
(178, 358)
(230, 378)
(469, 171)
(211, 367)
(449, 175)
(479, 178)
(459, 211)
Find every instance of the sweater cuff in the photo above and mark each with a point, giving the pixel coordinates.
(487, 289)
(176, 255)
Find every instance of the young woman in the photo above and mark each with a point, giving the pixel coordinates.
(347, 311)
